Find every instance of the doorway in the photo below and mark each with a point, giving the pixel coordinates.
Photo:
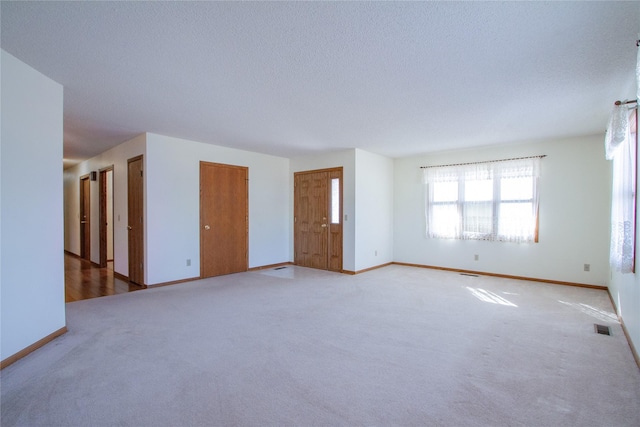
(85, 217)
(135, 204)
(317, 227)
(106, 217)
(224, 219)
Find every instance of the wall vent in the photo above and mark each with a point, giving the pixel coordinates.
(279, 268)
(602, 329)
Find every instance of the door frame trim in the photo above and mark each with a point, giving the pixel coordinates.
(87, 251)
(144, 222)
(341, 216)
(102, 212)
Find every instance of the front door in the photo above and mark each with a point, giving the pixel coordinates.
(224, 220)
(136, 220)
(318, 219)
(85, 218)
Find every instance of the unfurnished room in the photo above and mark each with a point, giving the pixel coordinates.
(319, 213)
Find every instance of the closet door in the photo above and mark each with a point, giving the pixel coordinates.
(224, 219)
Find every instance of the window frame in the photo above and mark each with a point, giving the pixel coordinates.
(496, 205)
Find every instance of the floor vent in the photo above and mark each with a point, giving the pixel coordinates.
(279, 268)
(602, 329)
(470, 275)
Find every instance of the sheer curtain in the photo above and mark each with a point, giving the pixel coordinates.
(638, 77)
(483, 201)
(518, 200)
(621, 148)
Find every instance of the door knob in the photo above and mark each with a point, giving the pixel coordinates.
(206, 227)
(128, 227)
(83, 222)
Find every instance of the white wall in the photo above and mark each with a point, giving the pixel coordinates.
(574, 215)
(117, 157)
(173, 206)
(625, 291)
(373, 210)
(347, 160)
(72, 210)
(31, 236)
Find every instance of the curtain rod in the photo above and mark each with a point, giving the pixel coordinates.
(633, 101)
(487, 161)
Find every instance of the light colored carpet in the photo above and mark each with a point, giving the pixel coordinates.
(301, 347)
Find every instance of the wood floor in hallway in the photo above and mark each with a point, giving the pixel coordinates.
(84, 280)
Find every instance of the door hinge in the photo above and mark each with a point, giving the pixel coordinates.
(140, 173)
(295, 219)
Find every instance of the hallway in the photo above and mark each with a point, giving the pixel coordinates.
(83, 280)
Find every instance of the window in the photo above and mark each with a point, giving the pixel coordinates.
(620, 146)
(483, 201)
(335, 200)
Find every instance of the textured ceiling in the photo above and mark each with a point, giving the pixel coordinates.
(294, 79)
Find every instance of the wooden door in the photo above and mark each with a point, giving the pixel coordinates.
(85, 217)
(224, 219)
(135, 204)
(311, 212)
(318, 219)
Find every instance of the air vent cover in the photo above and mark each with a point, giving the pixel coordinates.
(602, 329)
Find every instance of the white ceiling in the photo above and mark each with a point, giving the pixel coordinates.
(298, 78)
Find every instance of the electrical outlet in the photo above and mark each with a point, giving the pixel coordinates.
(188, 263)
(476, 257)
(587, 267)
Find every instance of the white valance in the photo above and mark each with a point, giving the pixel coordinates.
(617, 130)
(513, 168)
